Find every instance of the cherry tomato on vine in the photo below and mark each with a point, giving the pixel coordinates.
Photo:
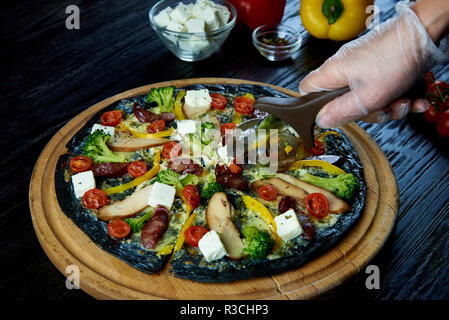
(443, 124)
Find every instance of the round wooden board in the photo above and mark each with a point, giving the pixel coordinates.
(105, 277)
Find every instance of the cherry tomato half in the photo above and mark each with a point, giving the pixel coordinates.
(317, 205)
(118, 228)
(227, 127)
(318, 149)
(235, 168)
(111, 118)
(171, 149)
(190, 192)
(137, 168)
(443, 124)
(244, 105)
(80, 164)
(95, 199)
(194, 234)
(219, 101)
(267, 192)
(156, 126)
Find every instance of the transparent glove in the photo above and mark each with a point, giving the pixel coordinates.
(379, 67)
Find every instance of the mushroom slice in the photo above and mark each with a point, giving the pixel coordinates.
(129, 144)
(336, 205)
(127, 207)
(218, 216)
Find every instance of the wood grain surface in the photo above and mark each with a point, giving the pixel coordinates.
(104, 276)
(50, 75)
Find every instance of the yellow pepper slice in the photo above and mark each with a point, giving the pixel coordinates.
(337, 20)
(237, 118)
(261, 210)
(181, 237)
(328, 167)
(177, 109)
(165, 251)
(134, 183)
(325, 134)
(137, 134)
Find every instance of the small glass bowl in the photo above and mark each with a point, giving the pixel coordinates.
(192, 46)
(274, 32)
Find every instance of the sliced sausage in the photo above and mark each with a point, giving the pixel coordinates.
(110, 169)
(154, 228)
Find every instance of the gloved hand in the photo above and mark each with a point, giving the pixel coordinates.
(378, 67)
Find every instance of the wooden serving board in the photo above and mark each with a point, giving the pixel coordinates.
(105, 277)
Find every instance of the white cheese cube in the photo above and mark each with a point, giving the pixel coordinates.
(163, 18)
(175, 26)
(82, 182)
(288, 226)
(211, 246)
(223, 154)
(161, 194)
(105, 129)
(223, 14)
(197, 102)
(180, 13)
(195, 25)
(194, 45)
(186, 126)
(211, 19)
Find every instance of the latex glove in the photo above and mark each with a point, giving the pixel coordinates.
(378, 67)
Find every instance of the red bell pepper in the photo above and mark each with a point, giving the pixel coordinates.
(255, 13)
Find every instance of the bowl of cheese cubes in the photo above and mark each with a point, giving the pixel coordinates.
(193, 29)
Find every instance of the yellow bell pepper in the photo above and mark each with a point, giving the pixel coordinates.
(165, 251)
(325, 134)
(177, 109)
(134, 183)
(137, 134)
(181, 237)
(261, 210)
(338, 20)
(328, 167)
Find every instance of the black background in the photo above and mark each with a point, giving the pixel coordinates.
(50, 74)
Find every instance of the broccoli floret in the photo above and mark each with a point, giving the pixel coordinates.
(163, 97)
(97, 149)
(343, 185)
(258, 244)
(190, 179)
(210, 188)
(170, 177)
(137, 223)
(207, 132)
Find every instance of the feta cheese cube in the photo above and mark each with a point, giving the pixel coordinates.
(180, 13)
(194, 45)
(288, 226)
(105, 129)
(197, 102)
(161, 194)
(223, 14)
(211, 246)
(195, 25)
(175, 26)
(223, 154)
(163, 18)
(82, 182)
(186, 126)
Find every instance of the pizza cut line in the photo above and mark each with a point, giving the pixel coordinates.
(149, 179)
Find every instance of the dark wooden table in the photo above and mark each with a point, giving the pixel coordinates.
(50, 74)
